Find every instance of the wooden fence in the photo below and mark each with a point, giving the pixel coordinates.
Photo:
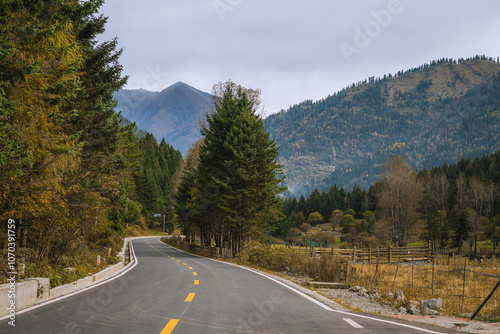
(375, 255)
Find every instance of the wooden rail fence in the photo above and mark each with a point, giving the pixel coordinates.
(375, 255)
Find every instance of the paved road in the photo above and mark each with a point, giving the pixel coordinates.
(174, 292)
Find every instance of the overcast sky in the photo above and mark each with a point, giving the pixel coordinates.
(293, 50)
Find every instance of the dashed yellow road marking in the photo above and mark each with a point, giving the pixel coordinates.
(196, 282)
(184, 264)
(194, 273)
(191, 268)
(190, 297)
(170, 326)
(178, 260)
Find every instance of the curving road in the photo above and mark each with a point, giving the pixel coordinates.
(170, 291)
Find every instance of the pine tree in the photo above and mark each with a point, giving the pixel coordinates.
(237, 180)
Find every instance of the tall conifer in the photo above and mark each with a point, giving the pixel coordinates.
(238, 178)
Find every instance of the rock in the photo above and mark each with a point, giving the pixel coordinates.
(389, 296)
(374, 292)
(413, 309)
(431, 306)
(402, 310)
(399, 295)
(362, 291)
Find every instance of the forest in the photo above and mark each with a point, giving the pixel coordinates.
(71, 176)
(455, 206)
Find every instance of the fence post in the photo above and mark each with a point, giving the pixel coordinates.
(395, 275)
(412, 278)
(348, 273)
(370, 255)
(376, 269)
(430, 253)
(463, 288)
(361, 275)
(389, 251)
(354, 254)
(432, 279)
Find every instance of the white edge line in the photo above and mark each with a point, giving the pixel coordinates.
(125, 270)
(352, 323)
(317, 302)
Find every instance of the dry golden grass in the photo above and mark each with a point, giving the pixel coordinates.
(462, 289)
(282, 259)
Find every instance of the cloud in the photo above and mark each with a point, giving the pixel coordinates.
(291, 50)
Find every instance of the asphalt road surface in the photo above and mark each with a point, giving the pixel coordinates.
(170, 291)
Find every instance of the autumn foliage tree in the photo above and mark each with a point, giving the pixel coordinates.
(399, 198)
(67, 166)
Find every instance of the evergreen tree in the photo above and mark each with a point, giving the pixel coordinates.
(237, 180)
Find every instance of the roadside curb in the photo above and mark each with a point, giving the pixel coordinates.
(84, 284)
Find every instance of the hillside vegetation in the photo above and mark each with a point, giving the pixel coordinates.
(71, 178)
(455, 206)
(436, 113)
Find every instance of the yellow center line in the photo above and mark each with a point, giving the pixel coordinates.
(191, 268)
(170, 326)
(194, 273)
(190, 297)
(184, 264)
(178, 260)
(196, 282)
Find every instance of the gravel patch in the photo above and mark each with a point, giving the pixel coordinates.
(357, 302)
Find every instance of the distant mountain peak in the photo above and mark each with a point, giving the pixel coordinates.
(177, 85)
(171, 114)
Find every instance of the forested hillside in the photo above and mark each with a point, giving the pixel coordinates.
(71, 177)
(436, 113)
(456, 205)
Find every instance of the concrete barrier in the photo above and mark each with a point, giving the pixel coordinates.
(108, 272)
(28, 292)
(71, 287)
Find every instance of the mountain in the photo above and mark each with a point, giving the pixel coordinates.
(136, 131)
(172, 114)
(436, 113)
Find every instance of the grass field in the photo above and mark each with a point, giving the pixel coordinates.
(461, 286)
